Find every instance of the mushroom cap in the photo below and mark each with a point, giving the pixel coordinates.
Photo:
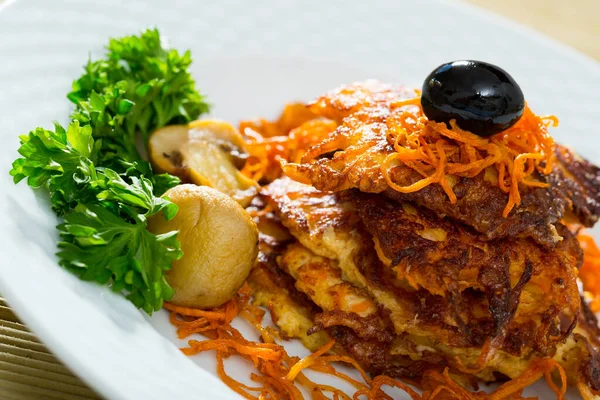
(219, 242)
(206, 152)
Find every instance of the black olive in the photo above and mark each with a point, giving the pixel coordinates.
(482, 98)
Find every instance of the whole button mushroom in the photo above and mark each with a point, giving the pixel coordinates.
(219, 242)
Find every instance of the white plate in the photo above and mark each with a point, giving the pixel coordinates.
(249, 58)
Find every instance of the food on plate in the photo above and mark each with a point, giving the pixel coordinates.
(451, 296)
(431, 240)
(509, 184)
(98, 182)
(206, 152)
(219, 241)
(263, 164)
(428, 248)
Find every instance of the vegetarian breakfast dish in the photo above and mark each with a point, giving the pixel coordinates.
(433, 240)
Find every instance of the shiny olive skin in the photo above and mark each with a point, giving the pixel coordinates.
(481, 97)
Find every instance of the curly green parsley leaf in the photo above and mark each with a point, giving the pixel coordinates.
(97, 180)
(98, 245)
(104, 236)
(51, 162)
(140, 86)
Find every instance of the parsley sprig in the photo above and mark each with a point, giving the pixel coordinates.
(97, 181)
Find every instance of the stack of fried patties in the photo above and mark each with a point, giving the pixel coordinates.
(408, 282)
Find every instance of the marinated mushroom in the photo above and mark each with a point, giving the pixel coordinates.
(219, 242)
(208, 153)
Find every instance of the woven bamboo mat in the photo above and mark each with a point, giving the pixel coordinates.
(28, 370)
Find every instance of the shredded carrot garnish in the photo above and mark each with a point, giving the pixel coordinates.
(308, 361)
(536, 370)
(439, 152)
(292, 116)
(589, 273)
(278, 370)
(286, 139)
(375, 392)
(194, 312)
(278, 373)
(441, 385)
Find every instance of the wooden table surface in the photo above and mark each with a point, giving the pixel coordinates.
(573, 22)
(29, 371)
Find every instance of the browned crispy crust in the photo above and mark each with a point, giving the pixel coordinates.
(266, 264)
(457, 293)
(579, 181)
(351, 158)
(377, 357)
(346, 100)
(589, 370)
(590, 367)
(366, 328)
(480, 205)
(449, 260)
